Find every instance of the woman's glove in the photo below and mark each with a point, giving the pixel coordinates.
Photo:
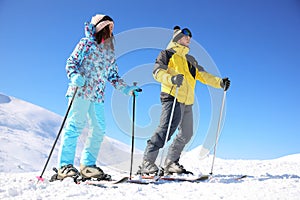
(130, 90)
(77, 80)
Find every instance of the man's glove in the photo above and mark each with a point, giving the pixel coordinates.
(225, 84)
(77, 80)
(177, 79)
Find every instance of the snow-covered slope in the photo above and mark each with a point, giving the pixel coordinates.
(267, 179)
(28, 133)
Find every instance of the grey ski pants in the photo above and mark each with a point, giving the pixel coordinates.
(183, 120)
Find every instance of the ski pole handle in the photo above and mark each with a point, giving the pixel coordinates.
(137, 90)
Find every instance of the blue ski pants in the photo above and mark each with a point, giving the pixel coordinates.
(82, 111)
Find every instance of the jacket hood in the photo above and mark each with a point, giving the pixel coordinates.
(89, 30)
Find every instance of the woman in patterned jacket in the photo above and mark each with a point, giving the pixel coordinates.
(91, 64)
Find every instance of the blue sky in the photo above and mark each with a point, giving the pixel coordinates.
(255, 43)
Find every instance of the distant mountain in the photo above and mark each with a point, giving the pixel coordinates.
(27, 135)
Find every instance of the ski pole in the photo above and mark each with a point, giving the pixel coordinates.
(133, 123)
(168, 130)
(218, 131)
(40, 178)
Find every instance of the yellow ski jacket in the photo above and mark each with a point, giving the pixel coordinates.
(176, 60)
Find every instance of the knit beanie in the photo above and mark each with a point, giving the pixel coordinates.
(178, 33)
(100, 21)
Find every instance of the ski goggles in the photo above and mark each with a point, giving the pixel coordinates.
(186, 32)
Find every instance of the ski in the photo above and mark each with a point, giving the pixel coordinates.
(162, 179)
(188, 179)
(106, 184)
(140, 181)
(179, 178)
(227, 178)
(241, 177)
(145, 180)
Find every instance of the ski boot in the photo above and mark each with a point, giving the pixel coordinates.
(92, 173)
(147, 168)
(64, 172)
(172, 167)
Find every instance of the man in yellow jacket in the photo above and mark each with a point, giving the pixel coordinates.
(173, 68)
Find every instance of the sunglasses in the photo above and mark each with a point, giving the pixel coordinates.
(186, 32)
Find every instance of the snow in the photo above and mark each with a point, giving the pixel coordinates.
(28, 133)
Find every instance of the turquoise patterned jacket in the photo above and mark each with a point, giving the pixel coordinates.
(96, 64)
